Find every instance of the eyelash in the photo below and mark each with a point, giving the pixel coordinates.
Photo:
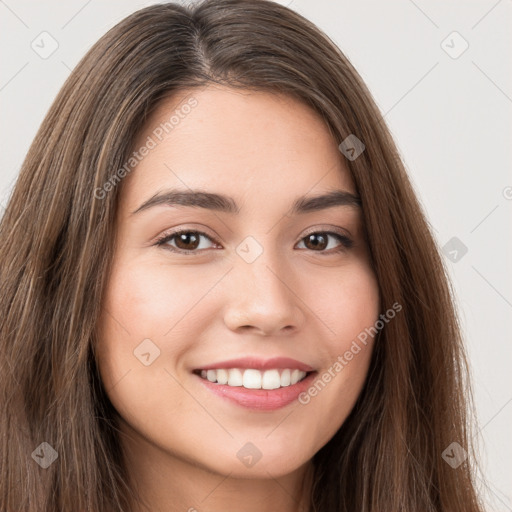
(346, 243)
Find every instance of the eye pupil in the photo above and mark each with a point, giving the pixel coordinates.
(183, 237)
(316, 245)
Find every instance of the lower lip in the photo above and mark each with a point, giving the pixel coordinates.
(260, 399)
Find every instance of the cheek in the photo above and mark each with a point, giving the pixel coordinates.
(142, 304)
(151, 300)
(349, 303)
(356, 297)
(148, 302)
(349, 307)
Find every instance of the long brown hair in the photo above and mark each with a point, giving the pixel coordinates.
(57, 244)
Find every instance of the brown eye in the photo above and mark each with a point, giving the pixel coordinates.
(316, 241)
(186, 241)
(319, 242)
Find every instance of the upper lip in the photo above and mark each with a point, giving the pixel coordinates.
(260, 364)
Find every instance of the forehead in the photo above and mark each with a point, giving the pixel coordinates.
(241, 143)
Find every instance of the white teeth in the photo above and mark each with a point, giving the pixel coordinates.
(295, 377)
(222, 376)
(270, 380)
(285, 377)
(254, 379)
(234, 377)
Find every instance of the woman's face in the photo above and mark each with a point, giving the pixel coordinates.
(267, 290)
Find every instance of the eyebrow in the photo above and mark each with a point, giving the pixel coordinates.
(222, 203)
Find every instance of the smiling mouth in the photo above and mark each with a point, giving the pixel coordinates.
(253, 379)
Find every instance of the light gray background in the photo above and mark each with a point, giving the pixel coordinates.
(451, 118)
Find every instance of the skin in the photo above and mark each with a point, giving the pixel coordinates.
(295, 300)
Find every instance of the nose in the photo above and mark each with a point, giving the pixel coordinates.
(263, 298)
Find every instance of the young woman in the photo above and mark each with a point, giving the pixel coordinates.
(219, 291)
